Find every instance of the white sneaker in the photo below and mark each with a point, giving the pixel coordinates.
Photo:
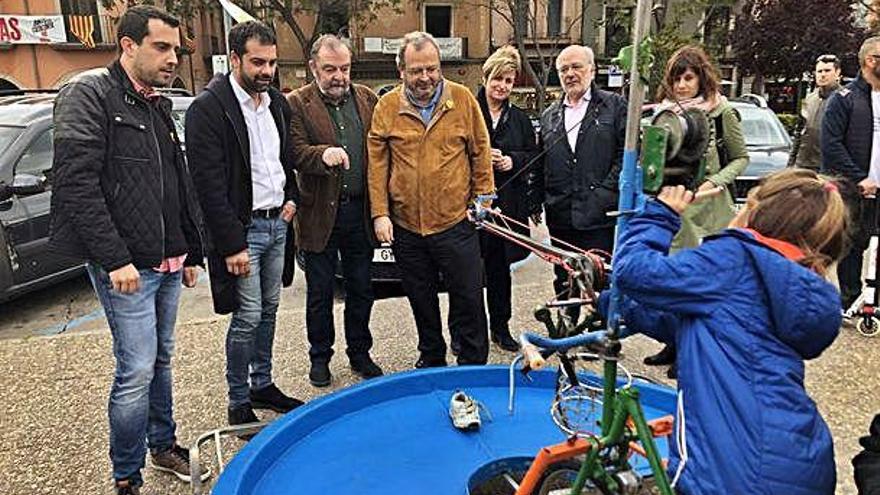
(464, 411)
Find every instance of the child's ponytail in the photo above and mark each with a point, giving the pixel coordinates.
(805, 209)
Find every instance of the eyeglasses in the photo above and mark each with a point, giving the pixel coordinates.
(827, 59)
(874, 56)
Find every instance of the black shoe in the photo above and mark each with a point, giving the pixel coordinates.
(242, 415)
(319, 374)
(269, 397)
(455, 347)
(664, 357)
(424, 362)
(505, 341)
(672, 372)
(365, 367)
(124, 487)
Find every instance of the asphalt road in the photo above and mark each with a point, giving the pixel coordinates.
(54, 383)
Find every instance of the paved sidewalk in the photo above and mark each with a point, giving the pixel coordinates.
(53, 430)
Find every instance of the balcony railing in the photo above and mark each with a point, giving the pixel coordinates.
(450, 48)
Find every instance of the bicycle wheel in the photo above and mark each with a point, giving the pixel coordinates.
(868, 326)
(559, 477)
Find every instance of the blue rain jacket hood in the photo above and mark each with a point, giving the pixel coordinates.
(744, 319)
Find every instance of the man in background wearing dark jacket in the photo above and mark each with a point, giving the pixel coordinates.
(582, 135)
(123, 200)
(807, 152)
(851, 150)
(239, 151)
(331, 118)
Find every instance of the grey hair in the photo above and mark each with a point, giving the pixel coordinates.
(331, 42)
(866, 47)
(418, 39)
(587, 51)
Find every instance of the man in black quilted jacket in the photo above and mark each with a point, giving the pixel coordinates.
(123, 201)
(851, 150)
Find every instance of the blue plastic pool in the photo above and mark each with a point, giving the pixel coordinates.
(393, 435)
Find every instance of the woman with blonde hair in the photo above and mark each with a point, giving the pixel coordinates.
(690, 81)
(513, 146)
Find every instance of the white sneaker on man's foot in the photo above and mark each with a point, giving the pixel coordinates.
(464, 411)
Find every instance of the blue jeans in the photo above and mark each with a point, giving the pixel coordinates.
(252, 329)
(142, 326)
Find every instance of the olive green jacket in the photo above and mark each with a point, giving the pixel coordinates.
(710, 215)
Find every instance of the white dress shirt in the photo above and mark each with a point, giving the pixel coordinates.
(574, 115)
(874, 172)
(267, 173)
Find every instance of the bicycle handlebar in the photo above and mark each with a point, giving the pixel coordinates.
(531, 345)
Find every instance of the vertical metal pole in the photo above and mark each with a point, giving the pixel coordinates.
(630, 182)
(227, 25)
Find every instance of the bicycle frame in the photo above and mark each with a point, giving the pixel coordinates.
(623, 425)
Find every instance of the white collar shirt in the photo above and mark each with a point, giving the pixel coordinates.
(874, 170)
(574, 115)
(267, 173)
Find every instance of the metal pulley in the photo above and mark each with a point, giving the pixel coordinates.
(673, 147)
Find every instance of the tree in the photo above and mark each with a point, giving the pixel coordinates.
(331, 16)
(523, 16)
(872, 9)
(770, 40)
(668, 33)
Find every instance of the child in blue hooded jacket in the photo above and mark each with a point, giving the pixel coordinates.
(745, 309)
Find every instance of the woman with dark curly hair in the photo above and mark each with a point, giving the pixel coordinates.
(691, 81)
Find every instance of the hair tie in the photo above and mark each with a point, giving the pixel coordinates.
(830, 187)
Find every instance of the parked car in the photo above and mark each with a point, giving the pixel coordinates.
(767, 142)
(26, 153)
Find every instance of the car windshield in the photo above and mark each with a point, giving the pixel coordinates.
(7, 136)
(761, 128)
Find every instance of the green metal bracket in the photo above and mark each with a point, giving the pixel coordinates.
(653, 157)
(624, 58)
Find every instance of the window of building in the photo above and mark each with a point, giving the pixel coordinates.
(438, 20)
(554, 18)
(618, 22)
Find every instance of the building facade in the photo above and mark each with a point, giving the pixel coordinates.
(44, 43)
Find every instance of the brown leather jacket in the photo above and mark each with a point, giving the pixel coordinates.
(424, 177)
(312, 132)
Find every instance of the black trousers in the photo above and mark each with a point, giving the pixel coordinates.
(585, 239)
(349, 240)
(498, 284)
(455, 253)
(849, 270)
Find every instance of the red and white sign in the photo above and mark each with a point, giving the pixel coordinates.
(32, 29)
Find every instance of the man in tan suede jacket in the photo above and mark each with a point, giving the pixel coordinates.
(428, 159)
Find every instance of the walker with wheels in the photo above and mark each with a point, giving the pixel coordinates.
(864, 311)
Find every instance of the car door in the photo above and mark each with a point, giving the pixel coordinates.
(28, 226)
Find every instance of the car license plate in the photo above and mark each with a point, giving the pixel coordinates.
(383, 255)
